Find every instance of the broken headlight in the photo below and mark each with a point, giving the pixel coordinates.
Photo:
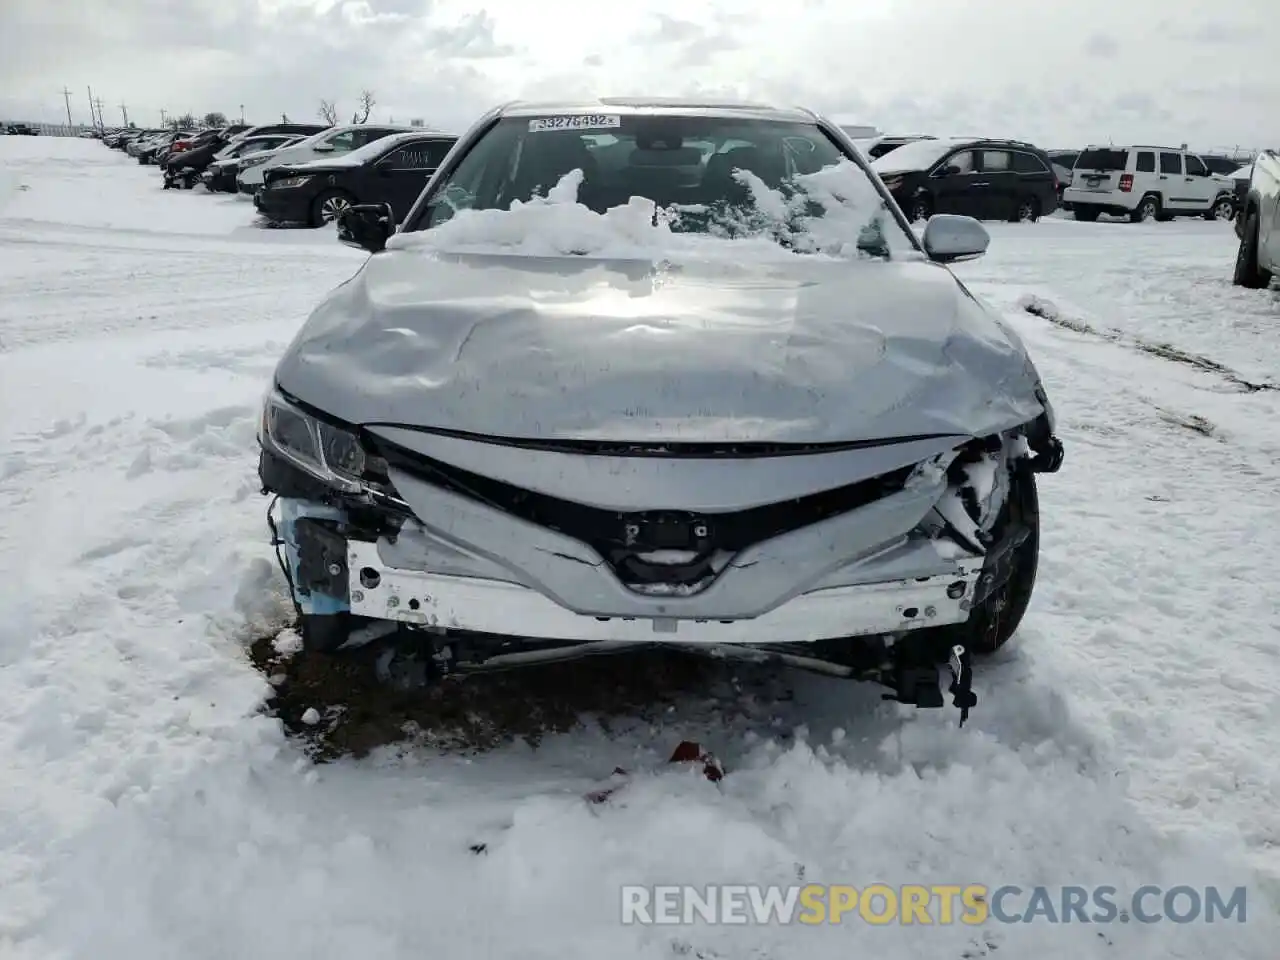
(321, 449)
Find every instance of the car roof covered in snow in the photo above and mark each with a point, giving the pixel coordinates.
(635, 106)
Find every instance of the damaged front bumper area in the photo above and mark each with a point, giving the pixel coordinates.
(394, 531)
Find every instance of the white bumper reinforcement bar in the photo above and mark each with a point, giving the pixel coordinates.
(508, 609)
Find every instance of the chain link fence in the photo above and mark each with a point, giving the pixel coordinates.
(50, 129)
(1236, 152)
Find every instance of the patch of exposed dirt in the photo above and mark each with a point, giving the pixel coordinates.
(351, 702)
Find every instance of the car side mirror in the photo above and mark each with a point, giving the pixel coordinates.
(949, 238)
(323, 148)
(367, 225)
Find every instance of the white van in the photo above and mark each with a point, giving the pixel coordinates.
(330, 142)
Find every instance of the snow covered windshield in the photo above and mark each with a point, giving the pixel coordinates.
(913, 156)
(650, 178)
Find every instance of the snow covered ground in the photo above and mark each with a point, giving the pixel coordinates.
(150, 810)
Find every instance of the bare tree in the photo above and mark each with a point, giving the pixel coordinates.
(215, 119)
(367, 103)
(329, 112)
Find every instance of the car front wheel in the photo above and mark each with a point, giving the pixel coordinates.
(996, 619)
(1247, 272)
(328, 207)
(1223, 209)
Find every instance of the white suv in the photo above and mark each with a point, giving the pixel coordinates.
(1146, 183)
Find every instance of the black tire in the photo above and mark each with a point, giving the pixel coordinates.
(324, 633)
(1247, 272)
(1148, 208)
(1222, 208)
(1085, 214)
(324, 209)
(1026, 209)
(996, 619)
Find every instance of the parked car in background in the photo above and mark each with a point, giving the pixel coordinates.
(392, 169)
(1258, 225)
(22, 130)
(1146, 183)
(294, 129)
(982, 178)
(877, 147)
(1240, 178)
(1063, 161)
(183, 166)
(136, 145)
(1220, 165)
(220, 174)
(166, 145)
(331, 142)
(155, 149)
(122, 139)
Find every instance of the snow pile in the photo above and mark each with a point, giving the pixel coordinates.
(835, 212)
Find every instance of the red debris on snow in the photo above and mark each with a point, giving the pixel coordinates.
(687, 752)
(690, 752)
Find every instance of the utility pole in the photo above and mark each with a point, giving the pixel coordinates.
(93, 121)
(98, 101)
(124, 114)
(66, 96)
(242, 113)
(162, 120)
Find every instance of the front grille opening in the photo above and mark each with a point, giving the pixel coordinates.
(653, 551)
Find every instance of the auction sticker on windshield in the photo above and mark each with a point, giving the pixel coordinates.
(586, 121)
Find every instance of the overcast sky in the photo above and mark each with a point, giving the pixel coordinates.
(1059, 73)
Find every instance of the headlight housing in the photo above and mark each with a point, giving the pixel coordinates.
(287, 182)
(328, 453)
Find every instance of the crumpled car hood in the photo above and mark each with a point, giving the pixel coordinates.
(803, 350)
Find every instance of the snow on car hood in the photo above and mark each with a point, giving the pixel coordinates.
(551, 321)
(557, 348)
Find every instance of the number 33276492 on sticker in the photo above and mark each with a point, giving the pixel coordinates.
(588, 121)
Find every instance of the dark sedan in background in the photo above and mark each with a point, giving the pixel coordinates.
(393, 170)
(220, 174)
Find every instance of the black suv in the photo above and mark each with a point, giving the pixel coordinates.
(982, 178)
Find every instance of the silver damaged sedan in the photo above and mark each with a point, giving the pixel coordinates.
(659, 372)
